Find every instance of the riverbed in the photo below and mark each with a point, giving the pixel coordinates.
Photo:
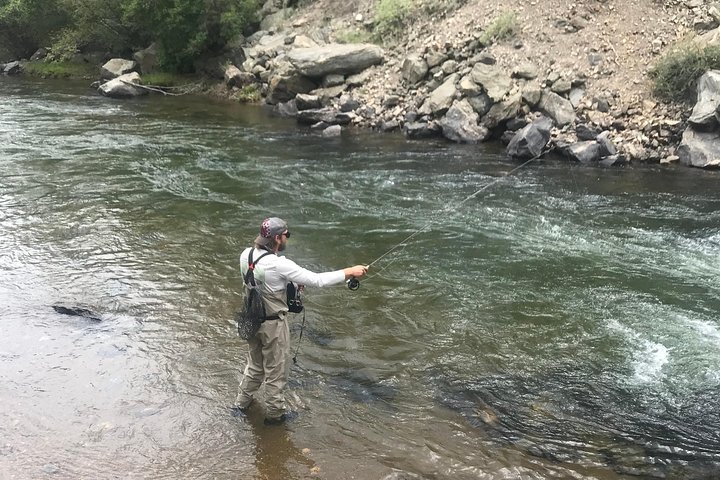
(563, 323)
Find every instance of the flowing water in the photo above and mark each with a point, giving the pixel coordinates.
(562, 324)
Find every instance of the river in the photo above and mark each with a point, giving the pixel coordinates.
(561, 324)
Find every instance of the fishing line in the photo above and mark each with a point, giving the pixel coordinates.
(354, 283)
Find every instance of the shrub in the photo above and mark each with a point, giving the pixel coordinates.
(502, 27)
(676, 73)
(390, 17)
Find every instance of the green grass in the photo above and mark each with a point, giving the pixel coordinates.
(503, 27)
(390, 18)
(164, 79)
(355, 36)
(61, 70)
(248, 94)
(676, 73)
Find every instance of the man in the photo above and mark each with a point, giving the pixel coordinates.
(268, 359)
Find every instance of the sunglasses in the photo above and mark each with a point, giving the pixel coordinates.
(287, 234)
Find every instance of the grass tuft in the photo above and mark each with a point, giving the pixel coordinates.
(502, 27)
(676, 73)
(61, 70)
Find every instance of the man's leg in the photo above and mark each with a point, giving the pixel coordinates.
(253, 375)
(276, 354)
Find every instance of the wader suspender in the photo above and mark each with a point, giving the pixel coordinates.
(250, 277)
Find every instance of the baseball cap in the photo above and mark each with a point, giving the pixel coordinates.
(269, 228)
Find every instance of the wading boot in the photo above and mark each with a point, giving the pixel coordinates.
(285, 417)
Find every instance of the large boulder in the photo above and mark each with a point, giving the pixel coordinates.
(704, 115)
(700, 149)
(531, 140)
(556, 107)
(495, 82)
(116, 67)
(335, 58)
(441, 98)
(123, 87)
(460, 124)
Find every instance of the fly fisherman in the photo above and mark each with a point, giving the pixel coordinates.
(268, 358)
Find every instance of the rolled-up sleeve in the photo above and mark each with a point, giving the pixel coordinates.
(302, 276)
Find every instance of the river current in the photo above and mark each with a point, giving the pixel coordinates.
(564, 323)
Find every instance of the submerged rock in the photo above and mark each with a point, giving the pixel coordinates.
(77, 312)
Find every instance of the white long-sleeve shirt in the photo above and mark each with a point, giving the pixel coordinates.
(274, 272)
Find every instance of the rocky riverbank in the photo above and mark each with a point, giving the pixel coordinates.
(572, 79)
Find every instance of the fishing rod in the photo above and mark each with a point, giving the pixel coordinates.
(353, 283)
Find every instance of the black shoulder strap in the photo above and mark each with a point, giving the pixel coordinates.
(250, 276)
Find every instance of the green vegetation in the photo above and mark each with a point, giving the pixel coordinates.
(183, 29)
(248, 94)
(675, 75)
(390, 17)
(165, 79)
(503, 27)
(355, 36)
(61, 70)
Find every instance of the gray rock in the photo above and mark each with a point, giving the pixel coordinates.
(274, 21)
(335, 58)
(435, 58)
(468, 88)
(449, 66)
(562, 86)
(700, 149)
(441, 98)
(306, 101)
(495, 82)
(326, 115)
(358, 79)
(414, 69)
(704, 115)
(12, 68)
(532, 96)
(117, 67)
(417, 130)
(481, 103)
(348, 103)
(502, 112)
(122, 87)
(327, 94)
(584, 132)
(531, 140)
(576, 96)
(147, 59)
(460, 124)
(39, 54)
(234, 77)
(284, 88)
(528, 71)
(584, 152)
(558, 108)
(607, 147)
(332, 80)
(332, 131)
(613, 160)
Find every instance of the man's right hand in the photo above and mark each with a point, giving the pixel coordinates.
(357, 271)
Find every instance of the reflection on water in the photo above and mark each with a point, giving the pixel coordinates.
(563, 324)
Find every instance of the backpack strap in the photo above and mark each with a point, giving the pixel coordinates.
(250, 275)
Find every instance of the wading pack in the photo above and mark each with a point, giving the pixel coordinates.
(252, 314)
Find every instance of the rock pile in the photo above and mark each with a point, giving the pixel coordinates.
(700, 145)
(456, 89)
